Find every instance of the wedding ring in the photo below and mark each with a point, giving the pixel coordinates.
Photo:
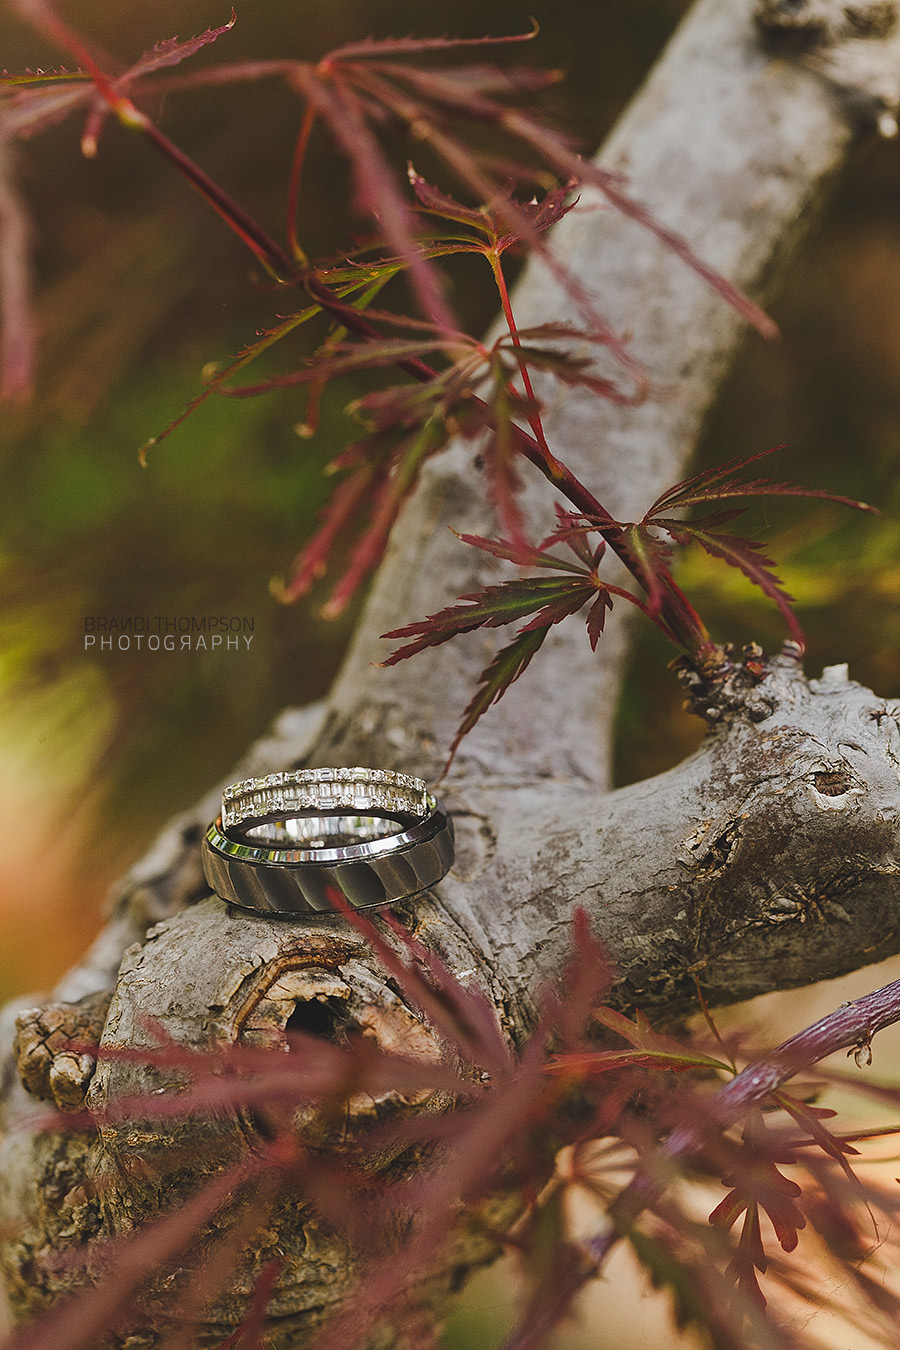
(290, 843)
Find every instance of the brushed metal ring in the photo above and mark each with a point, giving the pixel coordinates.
(284, 844)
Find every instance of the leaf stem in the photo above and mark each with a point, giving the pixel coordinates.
(297, 163)
(265, 248)
(534, 418)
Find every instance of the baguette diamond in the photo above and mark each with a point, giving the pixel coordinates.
(311, 790)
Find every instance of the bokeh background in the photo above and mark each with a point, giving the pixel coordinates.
(139, 286)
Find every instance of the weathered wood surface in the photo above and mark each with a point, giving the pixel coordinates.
(767, 859)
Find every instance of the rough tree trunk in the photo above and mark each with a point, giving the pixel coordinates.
(767, 859)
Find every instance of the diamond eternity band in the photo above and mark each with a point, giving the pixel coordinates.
(308, 791)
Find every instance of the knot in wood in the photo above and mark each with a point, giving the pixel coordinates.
(833, 782)
(53, 1049)
(812, 23)
(853, 46)
(725, 686)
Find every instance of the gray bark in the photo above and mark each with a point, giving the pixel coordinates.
(765, 860)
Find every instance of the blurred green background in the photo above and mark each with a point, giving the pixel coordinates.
(140, 286)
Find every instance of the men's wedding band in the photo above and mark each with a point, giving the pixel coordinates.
(301, 842)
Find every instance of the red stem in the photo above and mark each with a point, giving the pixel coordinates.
(294, 185)
(264, 247)
(534, 418)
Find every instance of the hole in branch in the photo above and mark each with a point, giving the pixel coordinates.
(320, 1017)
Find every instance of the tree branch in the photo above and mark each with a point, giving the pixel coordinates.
(767, 859)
